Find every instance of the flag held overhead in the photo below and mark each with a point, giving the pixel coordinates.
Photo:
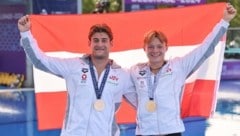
(185, 27)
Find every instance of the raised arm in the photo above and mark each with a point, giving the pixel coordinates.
(40, 60)
(24, 24)
(194, 59)
(229, 12)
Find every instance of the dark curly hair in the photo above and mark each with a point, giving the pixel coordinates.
(99, 28)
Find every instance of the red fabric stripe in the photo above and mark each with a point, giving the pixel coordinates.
(183, 26)
(198, 98)
(50, 109)
(197, 101)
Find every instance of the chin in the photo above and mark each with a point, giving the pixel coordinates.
(100, 56)
(155, 60)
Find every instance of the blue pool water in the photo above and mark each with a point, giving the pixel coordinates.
(18, 115)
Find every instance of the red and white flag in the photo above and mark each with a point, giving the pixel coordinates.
(185, 27)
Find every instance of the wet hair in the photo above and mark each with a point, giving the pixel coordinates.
(154, 34)
(100, 28)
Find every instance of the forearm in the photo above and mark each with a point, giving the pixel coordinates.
(38, 57)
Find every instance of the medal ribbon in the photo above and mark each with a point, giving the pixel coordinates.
(98, 91)
(152, 85)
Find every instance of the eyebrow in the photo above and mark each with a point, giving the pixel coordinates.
(100, 38)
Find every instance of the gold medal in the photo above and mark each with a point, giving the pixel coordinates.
(151, 106)
(99, 105)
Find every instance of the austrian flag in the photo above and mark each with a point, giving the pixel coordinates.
(185, 27)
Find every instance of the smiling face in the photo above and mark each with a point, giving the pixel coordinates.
(100, 44)
(100, 40)
(155, 51)
(155, 47)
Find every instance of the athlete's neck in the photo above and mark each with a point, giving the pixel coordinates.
(100, 64)
(155, 67)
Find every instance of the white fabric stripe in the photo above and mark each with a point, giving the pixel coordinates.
(211, 68)
(45, 82)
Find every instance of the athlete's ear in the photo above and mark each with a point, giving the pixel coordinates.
(111, 43)
(166, 46)
(89, 43)
(144, 47)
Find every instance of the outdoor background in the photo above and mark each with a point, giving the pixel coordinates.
(17, 98)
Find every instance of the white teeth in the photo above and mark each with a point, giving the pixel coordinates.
(155, 55)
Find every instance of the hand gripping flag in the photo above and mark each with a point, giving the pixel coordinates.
(185, 27)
